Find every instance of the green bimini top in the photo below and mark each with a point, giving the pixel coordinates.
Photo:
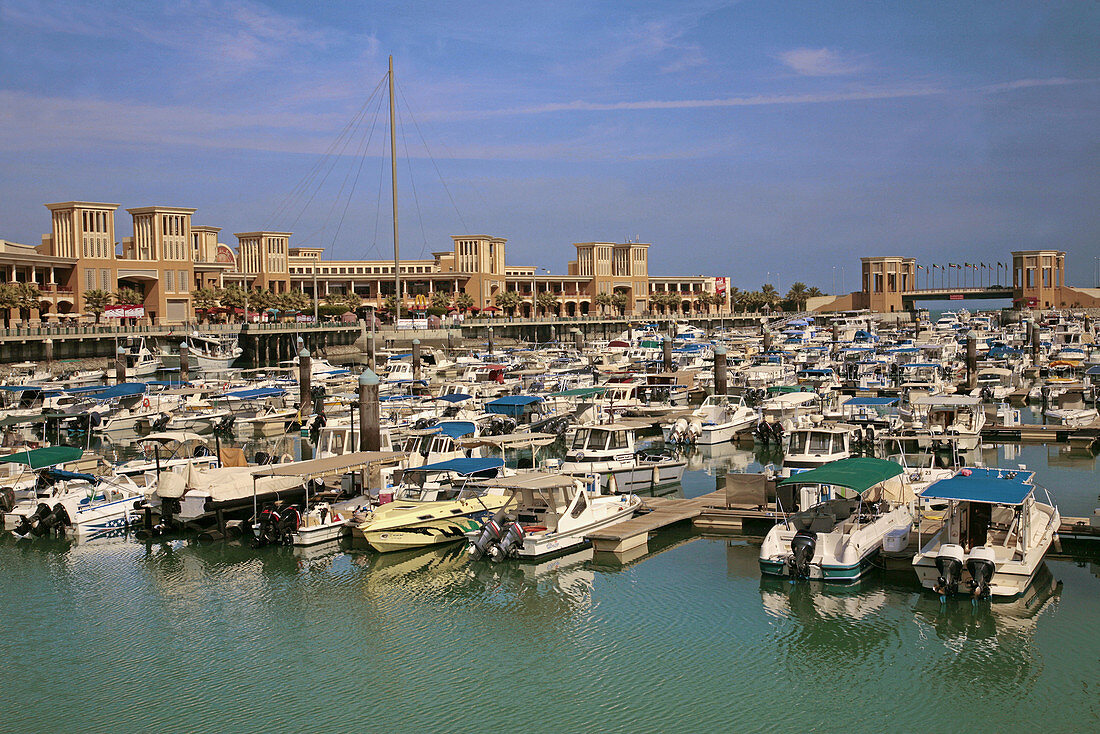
(43, 457)
(859, 474)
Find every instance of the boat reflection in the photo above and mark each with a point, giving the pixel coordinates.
(814, 600)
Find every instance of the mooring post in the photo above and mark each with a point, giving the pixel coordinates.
(972, 360)
(767, 341)
(120, 366)
(720, 373)
(369, 414)
(666, 353)
(416, 365)
(490, 340)
(305, 373)
(185, 361)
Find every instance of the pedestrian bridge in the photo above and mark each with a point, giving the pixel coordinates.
(910, 297)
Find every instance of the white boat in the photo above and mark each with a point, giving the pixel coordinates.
(809, 447)
(140, 361)
(610, 451)
(994, 533)
(213, 353)
(949, 419)
(845, 510)
(547, 513)
(83, 505)
(717, 420)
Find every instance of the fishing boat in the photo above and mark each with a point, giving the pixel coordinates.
(611, 452)
(546, 513)
(994, 533)
(844, 511)
(140, 360)
(436, 503)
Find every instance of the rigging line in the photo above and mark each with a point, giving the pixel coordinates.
(361, 153)
(331, 157)
(381, 183)
(351, 192)
(432, 159)
(302, 186)
(412, 185)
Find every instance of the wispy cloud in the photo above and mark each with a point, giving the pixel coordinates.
(820, 62)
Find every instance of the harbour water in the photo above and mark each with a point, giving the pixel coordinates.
(172, 635)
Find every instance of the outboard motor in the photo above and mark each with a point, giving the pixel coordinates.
(777, 433)
(224, 425)
(277, 525)
(803, 545)
(512, 539)
(490, 534)
(160, 422)
(949, 563)
(982, 565)
(58, 518)
(7, 500)
(31, 521)
(763, 432)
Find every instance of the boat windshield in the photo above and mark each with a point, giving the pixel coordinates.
(416, 491)
(810, 442)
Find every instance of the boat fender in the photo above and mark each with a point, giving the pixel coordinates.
(145, 403)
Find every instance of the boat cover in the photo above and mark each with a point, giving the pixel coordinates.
(860, 473)
(43, 457)
(463, 466)
(995, 486)
(870, 401)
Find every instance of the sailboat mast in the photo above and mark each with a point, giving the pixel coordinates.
(393, 183)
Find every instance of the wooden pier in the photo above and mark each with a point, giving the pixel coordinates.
(1084, 437)
(656, 513)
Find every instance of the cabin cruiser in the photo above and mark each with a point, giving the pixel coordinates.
(955, 419)
(213, 353)
(140, 361)
(784, 410)
(195, 497)
(844, 511)
(994, 533)
(717, 420)
(994, 384)
(435, 503)
(546, 513)
(610, 451)
(818, 444)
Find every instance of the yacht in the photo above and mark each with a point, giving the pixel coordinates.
(140, 361)
(546, 513)
(994, 533)
(610, 451)
(949, 419)
(843, 513)
(717, 420)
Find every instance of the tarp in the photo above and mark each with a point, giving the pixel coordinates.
(871, 401)
(43, 457)
(73, 475)
(461, 466)
(511, 405)
(859, 474)
(579, 392)
(256, 393)
(996, 486)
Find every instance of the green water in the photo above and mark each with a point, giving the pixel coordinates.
(119, 635)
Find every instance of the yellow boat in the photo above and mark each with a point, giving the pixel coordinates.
(427, 512)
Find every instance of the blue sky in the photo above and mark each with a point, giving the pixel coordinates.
(762, 140)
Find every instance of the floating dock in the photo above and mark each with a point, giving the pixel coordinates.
(1082, 436)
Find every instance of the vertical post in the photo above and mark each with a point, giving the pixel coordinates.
(185, 361)
(369, 414)
(305, 374)
(666, 353)
(720, 372)
(490, 340)
(836, 337)
(393, 184)
(767, 340)
(578, 341)
(1035, 344)
(416, 365)
(450, 342)
(120, 366)
(370, 351)
(971, 360)
(48, 345)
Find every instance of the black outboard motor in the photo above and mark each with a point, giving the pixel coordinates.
(763, 432)
(777, 433)
(57, 518)
(30, 522)
(7, 500)
(160, 422)
(224, 425)
(803, 545)
(949, 563)
(982, 565)
(512, 539)
(277, 526)
(490, 534)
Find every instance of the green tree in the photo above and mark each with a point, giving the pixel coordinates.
(769, 295)
(295, 300)
(797, 295)
(28, 297)
(234, 297)
(262, 299)
(203, 299)
(96, 302)
(390, 303)
(464, 301)
(547, 301)
(129, 297)
(508, 300)
(620, 301)
(441, 299)
(603, 300)
(814, 292)
(708, 299)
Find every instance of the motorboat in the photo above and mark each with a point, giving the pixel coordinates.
(213, 353)
(546, 513)
(717, 420)
(818, 444)
(994, 533)
(435, 503)
(954, 419)
(840, 515)
(140, 360)
(611, 452)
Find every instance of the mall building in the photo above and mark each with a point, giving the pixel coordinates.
(168, 256)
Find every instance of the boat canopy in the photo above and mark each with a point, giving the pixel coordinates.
(462, 465)
(859, 474)
(124, 390)
(256, 393)
(993, 486)
(947, 401)
(329, 466)
(454, 429)
(43, 457)
(871, 401)
(509, 440)
(511, 405)
(455, 397)
(579, 392)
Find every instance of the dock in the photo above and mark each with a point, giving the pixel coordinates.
(655, 514)
(1084, 437)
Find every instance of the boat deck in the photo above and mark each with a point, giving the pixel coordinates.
(655, 514)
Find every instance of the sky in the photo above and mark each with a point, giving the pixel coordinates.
(766, 141)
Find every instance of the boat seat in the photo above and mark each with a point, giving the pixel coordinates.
(822, 524)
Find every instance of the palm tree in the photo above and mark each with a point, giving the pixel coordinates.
(233, 297)
(603, 300)
(9, 299)
(129, 296)
(509, 300)
(797, 295)
(769, 294)
(262, 299)
(390, 303)
(441, 299)
(547, 301)
(203, 299)
(295, 300)
(464, 301)
(96, 302)
(620, 301)
(814, 292)
(732, 294)
(708, 299)
(28, 298)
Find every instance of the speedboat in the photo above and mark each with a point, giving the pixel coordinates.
(64, 502)
(546, 513)
(994, 533)
(717, 420)
(213, 353)
(436, 503)
(610, 452)
(843, 513)
(819, 444)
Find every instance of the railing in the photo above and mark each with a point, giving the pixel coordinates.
(98, 330)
